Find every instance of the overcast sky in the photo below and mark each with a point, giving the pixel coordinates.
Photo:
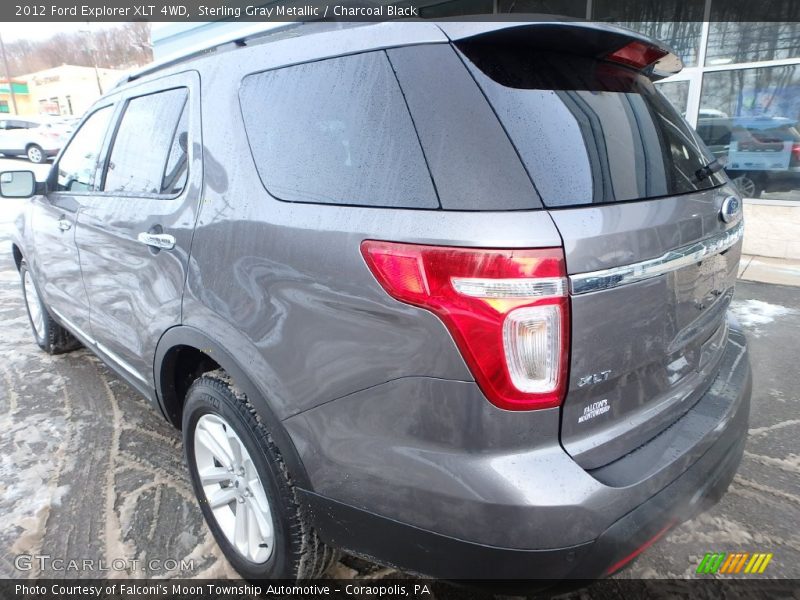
(40, 31)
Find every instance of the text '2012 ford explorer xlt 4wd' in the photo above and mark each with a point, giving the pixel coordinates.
(448, 295)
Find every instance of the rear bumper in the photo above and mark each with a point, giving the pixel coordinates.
(429, 553)
(536, 514)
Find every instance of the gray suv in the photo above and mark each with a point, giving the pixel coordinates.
(449, 295)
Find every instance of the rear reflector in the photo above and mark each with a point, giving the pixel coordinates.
(619, 564)
(507, 311)
(637, 54)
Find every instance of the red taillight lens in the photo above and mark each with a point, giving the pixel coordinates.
(637, 54)
(507, 310)
(796, 151)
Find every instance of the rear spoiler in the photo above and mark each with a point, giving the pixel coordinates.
(600, 40)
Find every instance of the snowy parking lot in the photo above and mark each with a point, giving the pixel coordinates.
(88, 470)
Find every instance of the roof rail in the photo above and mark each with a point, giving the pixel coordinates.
(238, 35)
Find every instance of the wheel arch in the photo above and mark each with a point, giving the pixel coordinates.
(179, 346)
(17, 253)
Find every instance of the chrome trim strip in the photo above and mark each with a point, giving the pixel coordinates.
(85, 337)
(92, 342)
(543, 287)
(584, 283)
(120, 362)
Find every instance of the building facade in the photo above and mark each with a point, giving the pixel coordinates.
(67, 90)
(21, 97)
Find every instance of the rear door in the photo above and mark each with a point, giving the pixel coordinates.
(652, 264)
(134, 237)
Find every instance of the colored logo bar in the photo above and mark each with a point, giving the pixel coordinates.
(732, 563)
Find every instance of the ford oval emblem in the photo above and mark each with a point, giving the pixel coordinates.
(731, 207)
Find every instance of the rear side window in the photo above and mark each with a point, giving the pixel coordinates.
(147, 143)
(336, 131)
(473, 163)
(588, 132)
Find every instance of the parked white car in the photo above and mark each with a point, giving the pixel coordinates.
(35, 138)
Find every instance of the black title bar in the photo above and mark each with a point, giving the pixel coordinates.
(785, 11)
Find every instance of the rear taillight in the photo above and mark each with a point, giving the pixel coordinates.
(507, 311)
(796, 152)
(637, 54)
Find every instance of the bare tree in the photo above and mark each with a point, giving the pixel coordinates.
(119, 47)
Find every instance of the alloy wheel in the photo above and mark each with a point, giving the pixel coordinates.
(34, 305)
(34, 154)
(233, 488)
(746, 186)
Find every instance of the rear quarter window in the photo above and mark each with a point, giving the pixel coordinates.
(336, 131)
(588, 131)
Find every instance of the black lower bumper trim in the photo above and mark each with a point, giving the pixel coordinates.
(418, 550)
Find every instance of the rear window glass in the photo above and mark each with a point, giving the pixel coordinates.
(588, 132)
(336, 131)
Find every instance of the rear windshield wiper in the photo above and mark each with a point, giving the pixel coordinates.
(708, 170)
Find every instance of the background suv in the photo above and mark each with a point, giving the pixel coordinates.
(452, 296)
(761, 154)
(36, 139)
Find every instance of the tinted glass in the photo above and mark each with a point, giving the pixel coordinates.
(589, 131)
(144, 142)
(677, 92)
(78, 162)
(474, 164)
(336, 132)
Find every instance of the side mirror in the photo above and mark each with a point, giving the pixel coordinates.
(17, 184)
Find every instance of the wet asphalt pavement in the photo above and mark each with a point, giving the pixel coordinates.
(88, 470)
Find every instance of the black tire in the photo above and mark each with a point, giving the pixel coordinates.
(297, 553)
(35, 154)
(52, 337)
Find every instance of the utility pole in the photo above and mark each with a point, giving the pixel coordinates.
(93, 51)
(8, 75)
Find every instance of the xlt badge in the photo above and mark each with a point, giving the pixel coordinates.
(593, 378)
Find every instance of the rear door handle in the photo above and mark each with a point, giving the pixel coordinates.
(64, 225)
(162, 241)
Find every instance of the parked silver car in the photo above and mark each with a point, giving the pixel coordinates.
(38, 139)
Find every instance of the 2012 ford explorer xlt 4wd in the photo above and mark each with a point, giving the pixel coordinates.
(452, 296)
